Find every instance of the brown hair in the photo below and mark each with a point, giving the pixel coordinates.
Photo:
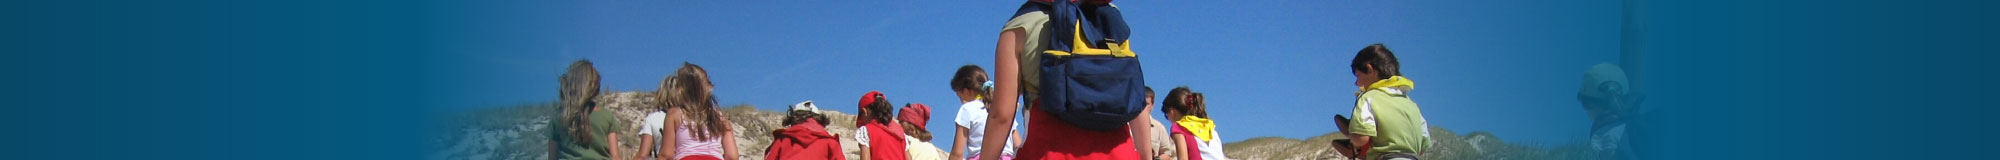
(1377, 55)
(578, 91)
(800, 117)
(1185, 101)
(973, 78)
(690, 90)
(913, 131)
(1149, 94)
(879, 112)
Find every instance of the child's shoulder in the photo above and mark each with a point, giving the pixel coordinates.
(972, 106)
(1379, 93)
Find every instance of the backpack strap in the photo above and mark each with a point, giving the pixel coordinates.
(1121, 49)
(1093, 29)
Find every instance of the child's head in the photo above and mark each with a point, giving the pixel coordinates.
(1182, 101)
(875, 108)
(1374, 63)
(1149, 96)
(913, 117)
(1605, 94)
(967, 82)
(804, 111)
(800, 117)
(578, 88)
(690, 90)
(579, 84)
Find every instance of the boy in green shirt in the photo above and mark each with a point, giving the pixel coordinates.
(1386, 124)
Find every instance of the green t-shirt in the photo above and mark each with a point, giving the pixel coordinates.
(1394, 122)
(601, 123)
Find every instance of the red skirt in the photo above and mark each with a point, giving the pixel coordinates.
(1049, 138)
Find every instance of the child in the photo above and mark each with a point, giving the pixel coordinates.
(971, 85)
(1017, 60)
(804, 136)
(919, 147)
(1608, 98)
(649, 131)
(583, 132)
(1386, 124)
(1162, 143)
(879, 135)
(1196, 133)
(701, 132)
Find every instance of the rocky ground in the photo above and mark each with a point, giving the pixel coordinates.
(521, 132)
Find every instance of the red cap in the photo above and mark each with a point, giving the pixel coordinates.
(869, 98)
(915, 113)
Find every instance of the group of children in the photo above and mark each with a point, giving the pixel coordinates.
(686, 106)
(1386, 124)
(805, 136)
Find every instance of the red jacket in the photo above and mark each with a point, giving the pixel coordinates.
(885, 142)
(806, 140)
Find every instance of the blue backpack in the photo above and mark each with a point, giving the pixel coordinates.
(1089, 75)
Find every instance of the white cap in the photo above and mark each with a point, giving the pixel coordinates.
(1604, 80)
(805, 106)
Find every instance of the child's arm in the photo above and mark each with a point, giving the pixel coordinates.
(861, 139)
(865, 150)
(958, 140)
(614, 146)
(1180, 145)
(645, 145)
(1361, 129)
(1361, 144)
(1016, 135)
(728, 137)
(1140, 133)
(1007, 65)
(669, 146)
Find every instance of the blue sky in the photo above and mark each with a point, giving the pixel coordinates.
(1270, 68)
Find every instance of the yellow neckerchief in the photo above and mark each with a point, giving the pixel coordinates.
(1397, 82)
(1202, 127)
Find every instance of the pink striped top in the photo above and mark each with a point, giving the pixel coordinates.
(686, 145)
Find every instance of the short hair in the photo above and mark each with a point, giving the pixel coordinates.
(1377, 55)
(1149, 91)
(798, 117)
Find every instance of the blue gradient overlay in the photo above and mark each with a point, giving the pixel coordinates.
(360, 79)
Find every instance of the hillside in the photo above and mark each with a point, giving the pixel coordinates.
(521, 132)
(1476, 145)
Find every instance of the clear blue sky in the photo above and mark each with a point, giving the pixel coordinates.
(1270, 68)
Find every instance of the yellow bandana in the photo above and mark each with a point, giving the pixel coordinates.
(1202, 128)
(1398, 82)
